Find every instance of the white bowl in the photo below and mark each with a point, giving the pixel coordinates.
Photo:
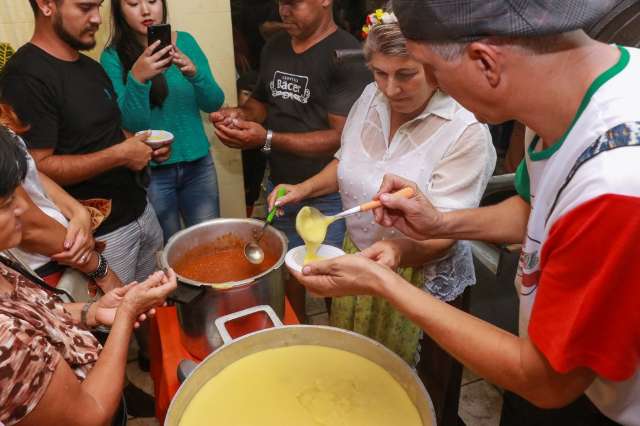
(158, 138)
(295, 257)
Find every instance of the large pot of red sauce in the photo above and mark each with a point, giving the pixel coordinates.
(215, 279)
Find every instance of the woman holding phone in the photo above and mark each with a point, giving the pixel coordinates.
(165, 88)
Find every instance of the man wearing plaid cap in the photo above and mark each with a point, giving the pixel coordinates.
(577, 212)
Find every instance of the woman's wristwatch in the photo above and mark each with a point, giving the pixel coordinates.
(101, 270)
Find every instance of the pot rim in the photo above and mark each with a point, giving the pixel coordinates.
(229, 284)
(279, 328)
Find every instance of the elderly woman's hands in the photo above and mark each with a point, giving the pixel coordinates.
(415, 217)
(344, 276)
(150, 293)
(136, 300)
(294, 194)
(103, 312)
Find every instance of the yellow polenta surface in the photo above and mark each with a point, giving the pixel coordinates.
(302, 386)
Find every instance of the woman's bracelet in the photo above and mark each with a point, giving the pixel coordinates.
(84, 313)
(102, 269)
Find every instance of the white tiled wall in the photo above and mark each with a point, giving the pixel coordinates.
(209, 21)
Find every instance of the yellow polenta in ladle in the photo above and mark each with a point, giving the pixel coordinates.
(312, 225)
(312, 228)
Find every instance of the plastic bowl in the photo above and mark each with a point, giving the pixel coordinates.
(295, 257)
(158, 138)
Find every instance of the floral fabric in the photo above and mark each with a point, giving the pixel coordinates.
(36, 333)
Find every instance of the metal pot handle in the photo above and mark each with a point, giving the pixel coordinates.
(159, 254)
(222, 321)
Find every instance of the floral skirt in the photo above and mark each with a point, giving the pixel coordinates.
(378, 319)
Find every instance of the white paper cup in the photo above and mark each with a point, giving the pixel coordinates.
(158, 138)
(295, 257)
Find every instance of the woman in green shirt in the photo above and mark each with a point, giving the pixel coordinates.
(166, 90)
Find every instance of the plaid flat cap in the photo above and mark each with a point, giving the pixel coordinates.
(466, 20)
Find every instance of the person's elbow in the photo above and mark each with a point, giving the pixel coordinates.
(549, 399)
(214, 102)
(102, 418)
(557, 390)
(32, 229)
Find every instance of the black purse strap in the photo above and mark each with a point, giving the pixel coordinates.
(27, 274)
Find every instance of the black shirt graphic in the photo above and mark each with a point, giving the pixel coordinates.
(300, 90)
(72, 108)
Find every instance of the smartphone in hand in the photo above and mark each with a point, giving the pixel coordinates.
(160, 32)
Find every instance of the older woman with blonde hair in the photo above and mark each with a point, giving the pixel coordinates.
(403, 124)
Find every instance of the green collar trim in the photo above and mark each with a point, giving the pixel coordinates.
(595, 86)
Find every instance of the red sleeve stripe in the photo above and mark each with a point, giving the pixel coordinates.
(587, 308)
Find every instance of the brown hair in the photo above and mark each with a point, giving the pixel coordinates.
(9, 119)
(34, 5)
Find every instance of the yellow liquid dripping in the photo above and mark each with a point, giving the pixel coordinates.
(302, 386)
(312, 228)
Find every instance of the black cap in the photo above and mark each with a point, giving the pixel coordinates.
(466, 20)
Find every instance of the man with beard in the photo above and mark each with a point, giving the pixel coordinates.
(75, 132)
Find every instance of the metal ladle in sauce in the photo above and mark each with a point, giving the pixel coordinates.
(252, 250)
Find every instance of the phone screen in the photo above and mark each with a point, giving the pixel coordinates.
(160, 32)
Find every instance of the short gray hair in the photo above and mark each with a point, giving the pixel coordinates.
(450, 51)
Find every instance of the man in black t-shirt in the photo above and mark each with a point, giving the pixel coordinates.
(299, 107)
(75, 133)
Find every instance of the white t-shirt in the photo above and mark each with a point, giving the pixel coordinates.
(579, 274)
(33, 186)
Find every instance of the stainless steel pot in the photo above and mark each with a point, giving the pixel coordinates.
(199, 304)
(280, 336)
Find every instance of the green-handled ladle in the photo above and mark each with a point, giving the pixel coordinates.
(252, 250)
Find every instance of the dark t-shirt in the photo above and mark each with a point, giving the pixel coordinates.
(300, 90)
(72, 108)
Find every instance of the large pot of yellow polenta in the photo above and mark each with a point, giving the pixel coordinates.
(300, 376)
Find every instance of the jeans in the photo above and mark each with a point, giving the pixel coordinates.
(187, 190)
(327, 204)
